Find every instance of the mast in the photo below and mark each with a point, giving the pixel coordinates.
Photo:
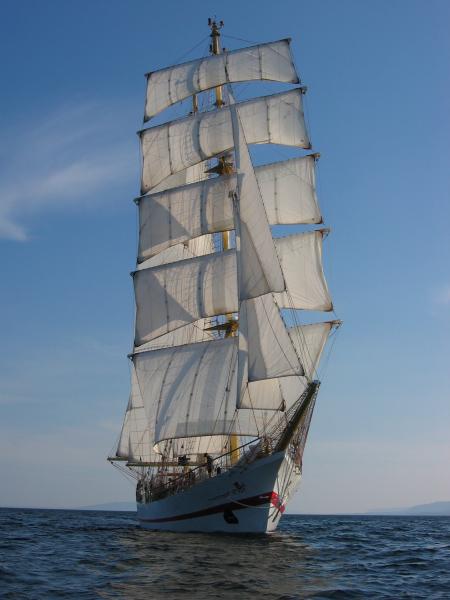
(216, 49)
(224, 168)
(194, 104)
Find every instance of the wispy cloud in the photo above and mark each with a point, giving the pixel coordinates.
(73, 157)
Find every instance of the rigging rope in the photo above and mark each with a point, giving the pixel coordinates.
(231, 37)
(191, 50)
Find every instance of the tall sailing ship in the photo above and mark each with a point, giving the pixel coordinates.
(223, 373)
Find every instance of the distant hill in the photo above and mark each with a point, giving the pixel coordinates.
(112, 506)
(433, 508)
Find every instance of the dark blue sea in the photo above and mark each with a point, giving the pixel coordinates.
(72, 554)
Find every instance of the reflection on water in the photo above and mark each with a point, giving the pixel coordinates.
(69, 554)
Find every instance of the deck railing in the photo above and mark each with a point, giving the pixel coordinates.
(169, 482)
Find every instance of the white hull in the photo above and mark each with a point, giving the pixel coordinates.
(245, 499)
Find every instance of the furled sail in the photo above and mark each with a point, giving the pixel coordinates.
(182, 213)
(174, 146)
(271, 61)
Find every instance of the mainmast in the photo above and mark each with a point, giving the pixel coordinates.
(216, 49)
(223, 167)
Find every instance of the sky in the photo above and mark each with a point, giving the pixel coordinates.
(377, 110)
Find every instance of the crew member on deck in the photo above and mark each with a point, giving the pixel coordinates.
(209, 463)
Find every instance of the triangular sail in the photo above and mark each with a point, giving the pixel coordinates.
(271, 352)
(259, 270)
(280, 393)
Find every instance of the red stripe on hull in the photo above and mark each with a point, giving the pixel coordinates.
(276, 501)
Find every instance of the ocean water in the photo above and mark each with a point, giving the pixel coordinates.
(83, 555)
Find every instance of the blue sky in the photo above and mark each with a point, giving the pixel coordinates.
(377, 108)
